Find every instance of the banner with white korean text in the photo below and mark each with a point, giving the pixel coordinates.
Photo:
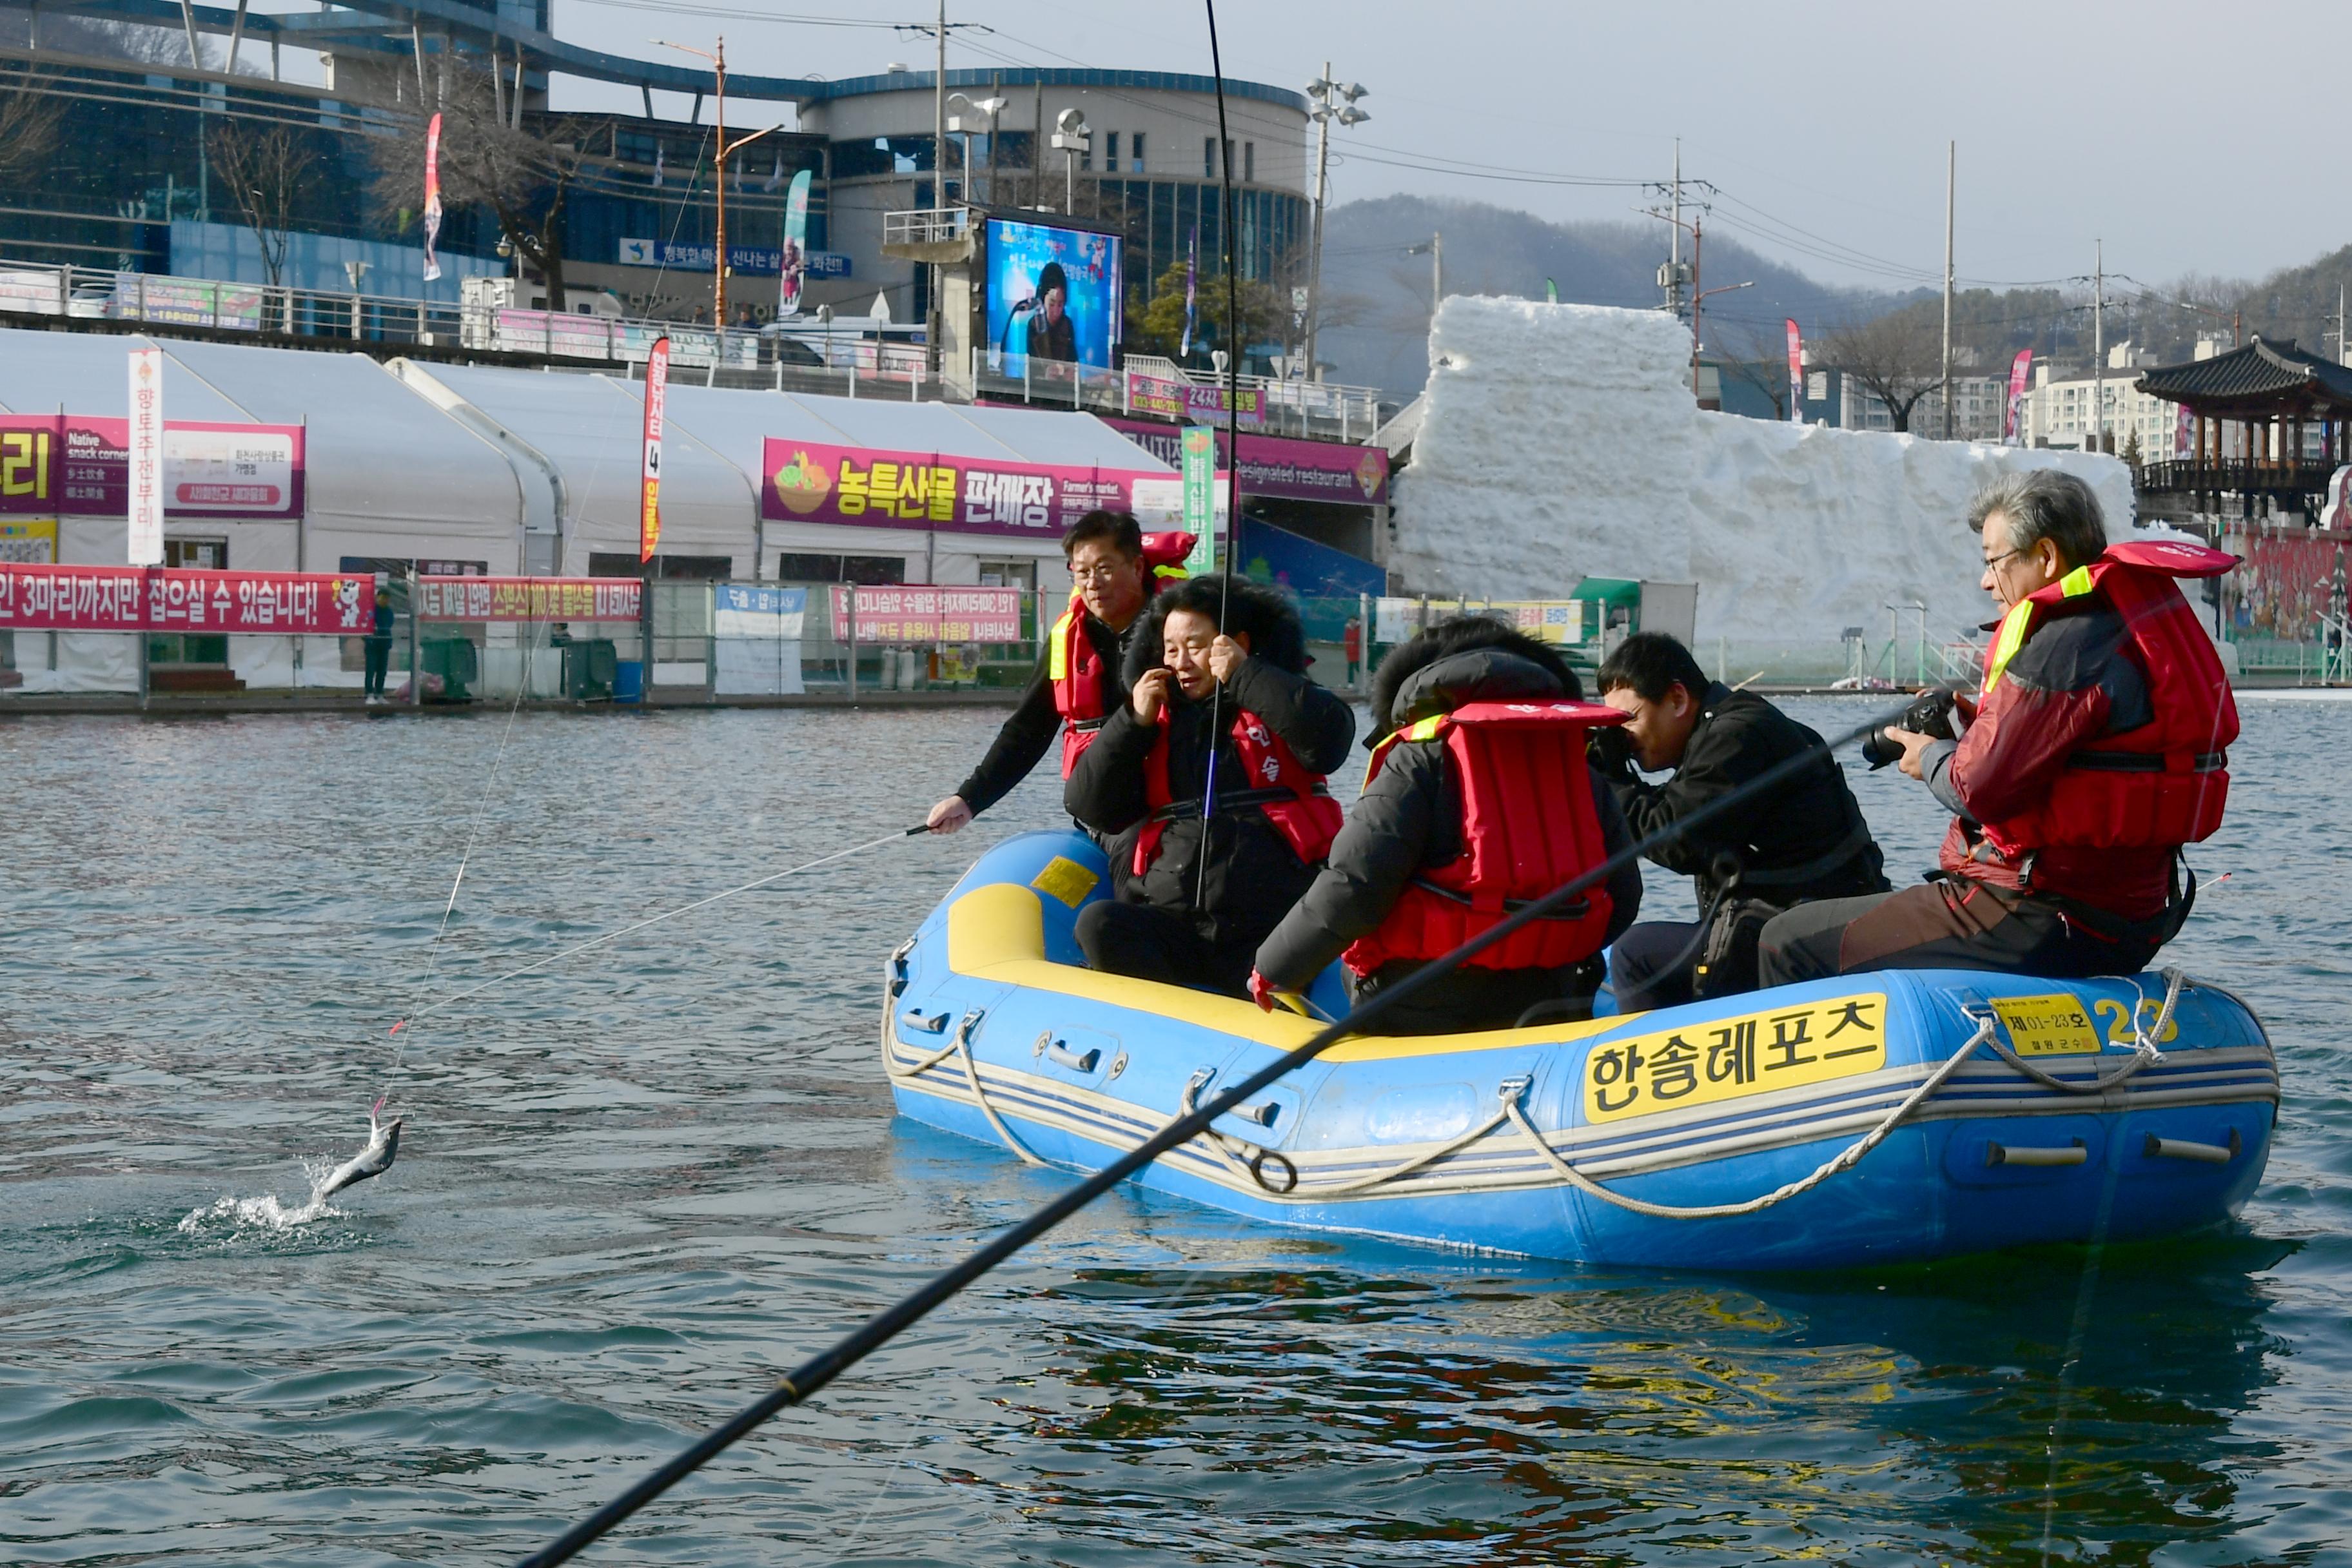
(172, 599)
(145, 442)
(812, 481)
(529, 598)
(898, 615)
(73, 465)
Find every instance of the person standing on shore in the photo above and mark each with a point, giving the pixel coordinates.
(377, 644)
(1351, 642)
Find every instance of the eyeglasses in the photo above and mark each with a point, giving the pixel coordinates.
(1109, 572)
(1993, 560)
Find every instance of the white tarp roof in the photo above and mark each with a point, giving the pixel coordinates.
(79, 373)
(592, 428)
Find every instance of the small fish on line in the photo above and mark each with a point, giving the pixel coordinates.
(382, 1148)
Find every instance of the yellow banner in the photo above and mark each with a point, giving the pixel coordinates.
(1728, 1058)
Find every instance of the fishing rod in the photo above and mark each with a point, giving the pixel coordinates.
(879, 1329)
(1232, 336)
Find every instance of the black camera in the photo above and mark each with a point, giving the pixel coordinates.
(1930, 713)
(1609, 749)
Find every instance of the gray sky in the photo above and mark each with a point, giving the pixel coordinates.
(1822, 122)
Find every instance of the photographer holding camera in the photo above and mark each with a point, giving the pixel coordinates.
(2095, 752)
(1806, 839)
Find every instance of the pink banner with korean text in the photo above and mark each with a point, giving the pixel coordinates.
(529, 598)
(1190, 401)
(900, 615)
(73, 465)
(172, 599)
(810, 482)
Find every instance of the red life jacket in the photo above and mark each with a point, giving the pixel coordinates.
(1529, 824)
(1076, 672)
(2165, 784)
(1297, 801)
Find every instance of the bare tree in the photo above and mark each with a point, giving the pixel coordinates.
(524, 175)
(29, 118)
(1898, 357)
(269, 170)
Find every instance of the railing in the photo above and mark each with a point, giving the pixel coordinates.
(2305, 474)
(1153, 388)
(928, 226)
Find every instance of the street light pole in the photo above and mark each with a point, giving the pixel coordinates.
(1435, 251)
(1321, 94)
(726, 150)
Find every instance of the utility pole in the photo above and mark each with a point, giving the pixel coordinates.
(1435, 249)
(938, 320)
(2099, 346)
(1951, 163)
(724, 151)
(1674, 239)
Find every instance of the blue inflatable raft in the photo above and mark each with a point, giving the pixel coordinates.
(1876, 1119)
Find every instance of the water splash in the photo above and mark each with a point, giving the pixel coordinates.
(266, 1211)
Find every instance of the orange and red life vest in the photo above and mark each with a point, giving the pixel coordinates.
(1298, 802)
(1078, 673)
(2164, 784)
(1528, 825)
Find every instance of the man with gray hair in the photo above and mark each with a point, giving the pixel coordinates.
(2095, 751)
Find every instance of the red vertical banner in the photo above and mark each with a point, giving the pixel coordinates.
(656, 394)
(1795, 374)
(2013, 429)
(433, 195)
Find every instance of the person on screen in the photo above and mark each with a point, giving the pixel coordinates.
(1051, 333)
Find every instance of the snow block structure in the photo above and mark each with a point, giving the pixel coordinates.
(1561, 441)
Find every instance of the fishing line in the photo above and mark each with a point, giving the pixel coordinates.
(451, 1001)
(1232, 336)
(821, 1369)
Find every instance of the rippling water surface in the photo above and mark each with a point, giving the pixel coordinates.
(636, 1186)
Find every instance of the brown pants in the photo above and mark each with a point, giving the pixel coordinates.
(1950, 925)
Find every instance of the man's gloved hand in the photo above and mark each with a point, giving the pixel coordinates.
(1610, 750)
(1262, 992)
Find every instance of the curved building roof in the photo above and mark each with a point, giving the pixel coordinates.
(2260, 378)
(1033, 76)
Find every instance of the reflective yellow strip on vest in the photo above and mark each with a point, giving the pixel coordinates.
(2075, 584)
(2013, 628)
(1057, 658)
(1425, 730)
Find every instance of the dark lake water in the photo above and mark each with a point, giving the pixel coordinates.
(638, 1186)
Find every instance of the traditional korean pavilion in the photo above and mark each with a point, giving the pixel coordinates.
(2251, 409)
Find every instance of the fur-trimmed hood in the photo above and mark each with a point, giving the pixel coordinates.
(1275, 635)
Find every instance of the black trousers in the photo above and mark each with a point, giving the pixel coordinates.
(1950, 925)
(1471, 999)
(1655, 965)
(379, 659)
(1152, 943)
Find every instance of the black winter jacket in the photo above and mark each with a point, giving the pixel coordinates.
(1409, 822)
(1796, 827)
(1253, 874)
(1035, 726)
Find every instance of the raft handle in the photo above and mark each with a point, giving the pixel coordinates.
(1263, 1112)
(1076, 1061)
(2156, 1148)
(914, 1018)
(2074, 1153)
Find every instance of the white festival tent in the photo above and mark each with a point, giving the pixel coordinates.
(516, 472)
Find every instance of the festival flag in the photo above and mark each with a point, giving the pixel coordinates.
(656, 394)
(2184, 433)
(775, 175)
(431, 197)
(2012, 433)
(657, 165)
(1551, 292)
(1191, 251)
(794, 267)
(1795, 374)
(146, 444)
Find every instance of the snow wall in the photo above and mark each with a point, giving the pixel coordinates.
(1559, 442)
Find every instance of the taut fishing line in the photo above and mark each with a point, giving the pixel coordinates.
(1232, 337)
(879, 1329)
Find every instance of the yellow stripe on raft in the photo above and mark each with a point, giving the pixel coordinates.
(998, 933)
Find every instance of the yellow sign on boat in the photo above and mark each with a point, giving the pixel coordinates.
(2052, 1025)
(1725, 1059)
(1064, 879)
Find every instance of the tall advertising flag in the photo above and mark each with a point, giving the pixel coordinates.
(431, 197)
(795, 259)
(1191, 250)
(1795, 374)
(146, 443)
(2012, 430)
(2183, 432)
(656, 394)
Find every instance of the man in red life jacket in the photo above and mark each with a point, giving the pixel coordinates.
(2098, 748)
(1210, 679)
(1080, 678)
(1479, 799)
